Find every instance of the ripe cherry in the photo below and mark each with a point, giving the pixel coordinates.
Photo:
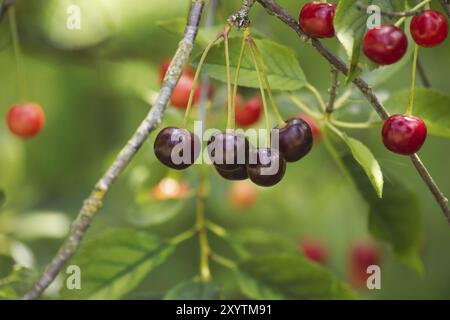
(314, 250)
(295, 139)
(313, 125)
(170, 146)
(243, 194)
(239, 173)
(165, 66)
(229, 152)
(385, 45)
(267, 166)
(249, 113)
(362, 256)
(180, 96)
(25, 120)
(316, 18)
(404, 134)
(429, 28)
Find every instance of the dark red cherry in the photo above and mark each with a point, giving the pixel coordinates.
(429, 28)
(316, 19)
(266, 166)
(295, 139)
(25, 120)
(385, 45)
(177, 148)
(404, 134)
(228, 151)
(239, 173)
(249, 113)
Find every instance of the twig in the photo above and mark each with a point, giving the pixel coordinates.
(333, 89)
(393, 14)
(423, 74)
(241, 19)
(446, 5)
(276, 10)
(153, 119)
(4, 7)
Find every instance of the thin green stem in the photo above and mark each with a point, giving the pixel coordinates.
(356, 125)
(216, 229)
(262, 67)
(417, 7)
(317, 96)
(299, 104)
(183, 236)
(223, 261)
(236, 78)
(20, 69)
(409, 110)
(197, 75)
(263, 96)
(230, 119)
(205, 273)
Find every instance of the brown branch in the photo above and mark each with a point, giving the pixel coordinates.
(154, 118)
(334, 76)
(446, 5)
(276, 10)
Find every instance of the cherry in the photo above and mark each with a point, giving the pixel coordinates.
(267, 167)
(165, 66)
(362, 255)
(248, 114)
(386, 44)
(236, 174)
(180, 96)
(25, 120)
(295, 139)
(313, 125)
(170, 144)
(169, 188)
(429, 28)
(314, 250)
(229, 152)
(404, 134)
(243, 194)
(316, 18)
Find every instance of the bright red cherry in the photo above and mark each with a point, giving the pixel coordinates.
(429, 28)
(362, 256)
(314, 250)
(316, 18)
(165, 66)
(312, 124)
(25, 120)
(404, 134)
(248, 114)
(386, 44)
(180, 96)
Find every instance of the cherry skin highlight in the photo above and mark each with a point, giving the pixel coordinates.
(25, 120)
(316, 19)
(429, 28)
(385, 45)
(404, 134)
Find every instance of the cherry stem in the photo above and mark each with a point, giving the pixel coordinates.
(409, 110)
(260, 60)
(205, 273)
(197, 73)
(230, 119)
(317, 96)
(415, 8)
(18, 54)
(299, 104)
(356, 125)
(261, 88)
(236, 78)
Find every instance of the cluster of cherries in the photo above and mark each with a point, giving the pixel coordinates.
(384, 45)
(233, 156)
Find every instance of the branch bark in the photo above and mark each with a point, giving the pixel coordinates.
(334, 74)
(279, 12)
(94, 202)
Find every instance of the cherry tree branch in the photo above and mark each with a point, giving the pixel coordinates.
(446, 5)
(94, 202)
(334, 76)
(4, 7)
(279, 12)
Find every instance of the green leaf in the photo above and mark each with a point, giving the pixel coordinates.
(396, 218)
(154, 212)
(430, 105)
(281, 65)
(193, 290)
(16, 284)
(277, 276)
(350, 24)
(367, 161)
(114, 264)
